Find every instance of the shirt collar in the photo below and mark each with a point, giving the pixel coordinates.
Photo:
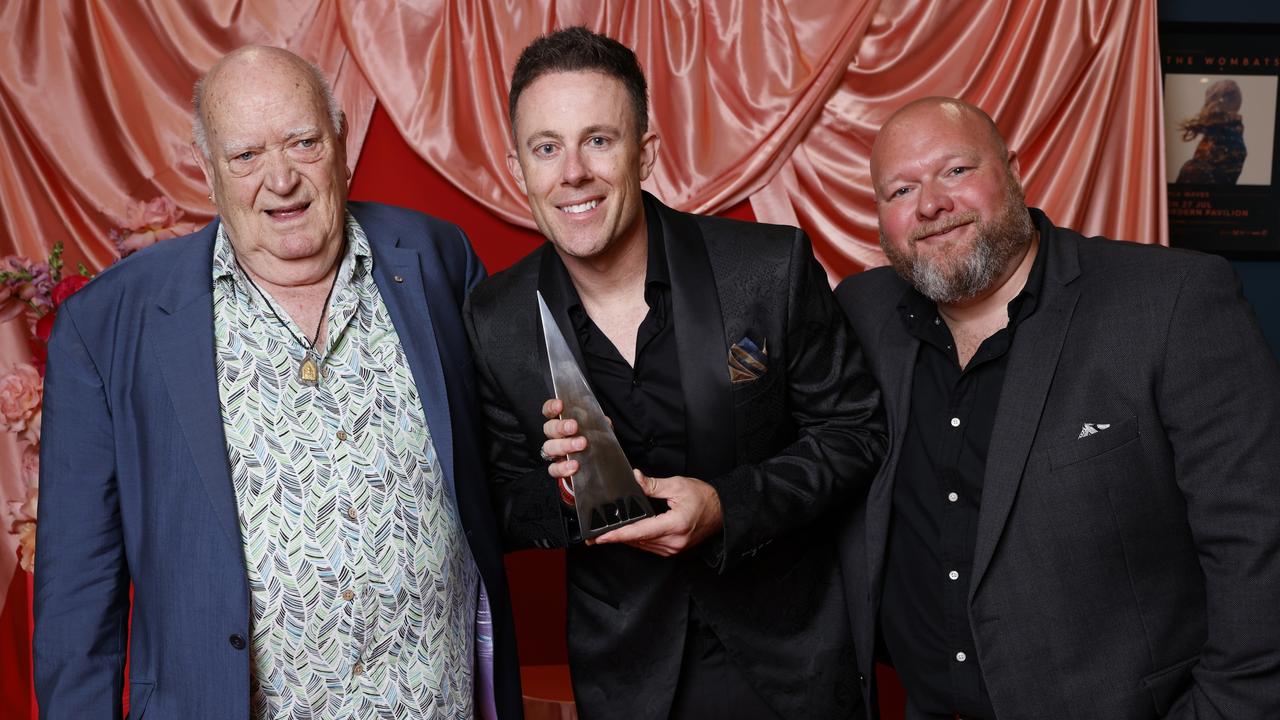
(357, 256)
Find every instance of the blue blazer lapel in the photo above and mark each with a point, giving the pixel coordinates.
(182, 338)
(1033, 359)
(409, 288)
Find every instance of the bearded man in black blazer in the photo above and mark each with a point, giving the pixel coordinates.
(1080, 515)
(733, 383)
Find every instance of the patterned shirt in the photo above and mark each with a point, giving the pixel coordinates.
(363, 588)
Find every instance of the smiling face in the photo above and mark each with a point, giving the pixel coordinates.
(276, 165)
(953, 220)
(580, 160)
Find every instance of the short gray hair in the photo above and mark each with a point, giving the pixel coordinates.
(200, 134)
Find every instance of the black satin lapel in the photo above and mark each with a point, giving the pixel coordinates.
(1033, 359)
(895, 385)
(552, 283)
(702, 348)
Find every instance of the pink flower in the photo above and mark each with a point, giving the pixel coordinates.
(128, 243)
(148, 223)
(24, 286)
(20, 394)
(159, 212)
(31, 466)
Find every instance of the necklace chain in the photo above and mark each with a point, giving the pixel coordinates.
(308, 346)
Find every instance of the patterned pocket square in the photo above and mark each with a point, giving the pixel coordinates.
(748, 361)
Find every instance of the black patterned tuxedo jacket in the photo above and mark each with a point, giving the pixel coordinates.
(1127, 562)
(789, 454)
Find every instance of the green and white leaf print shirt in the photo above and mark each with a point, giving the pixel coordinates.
(363, 588)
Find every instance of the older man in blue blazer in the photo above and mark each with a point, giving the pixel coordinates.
(268, 429)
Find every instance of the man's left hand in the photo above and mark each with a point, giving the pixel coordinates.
(694, 516)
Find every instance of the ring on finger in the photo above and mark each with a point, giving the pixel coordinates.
(545, 457)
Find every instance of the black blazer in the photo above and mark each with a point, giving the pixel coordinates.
(788, 453)
(1131, 572)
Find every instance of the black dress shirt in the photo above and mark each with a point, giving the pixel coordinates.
(936, 496)
(644, 401)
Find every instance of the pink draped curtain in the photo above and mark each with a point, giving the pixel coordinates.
(1073, 85)
(95, 106)
(769, 100)
(763, 99)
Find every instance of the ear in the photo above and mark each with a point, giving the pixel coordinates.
(517, 172)
(648, 153)
(206, 167)
(1014, 171)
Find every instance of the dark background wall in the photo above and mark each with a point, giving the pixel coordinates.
(1260, 278)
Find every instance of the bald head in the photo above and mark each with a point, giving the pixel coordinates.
(243, 62)
(920, 118)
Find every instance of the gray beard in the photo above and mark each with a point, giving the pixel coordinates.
(950, 280)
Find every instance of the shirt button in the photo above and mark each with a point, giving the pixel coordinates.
(960, 657)
(952, 497)
(351, 513)
(955, 422)
(348, 595)
(237, 641)
(635, 382)
(342, 434)
(357, 669)
(953, 575)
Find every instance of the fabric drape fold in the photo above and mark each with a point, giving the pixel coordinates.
(734, 84)
(1073, 85)
(95, 107)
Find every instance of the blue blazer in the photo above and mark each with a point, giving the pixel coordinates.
(135, 485)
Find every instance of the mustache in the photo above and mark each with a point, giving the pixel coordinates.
(938, 227)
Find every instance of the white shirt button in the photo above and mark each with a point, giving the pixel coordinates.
(960, 657)
(953, 575)
(955, 422)
(952, 497)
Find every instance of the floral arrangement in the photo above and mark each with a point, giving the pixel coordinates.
(37, 290)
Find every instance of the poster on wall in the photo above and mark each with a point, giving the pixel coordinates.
(1221, 162)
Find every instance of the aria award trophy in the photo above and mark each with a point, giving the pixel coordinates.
(605, 492)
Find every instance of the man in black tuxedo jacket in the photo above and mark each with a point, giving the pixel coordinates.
(1080, 513)
(733, 384)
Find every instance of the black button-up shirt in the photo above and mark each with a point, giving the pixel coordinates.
(937, 491)
(644, 401)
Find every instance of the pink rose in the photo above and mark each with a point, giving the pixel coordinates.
(20, 394)
(31, 435)
(31, 466)
(148, 223)
(155, 214)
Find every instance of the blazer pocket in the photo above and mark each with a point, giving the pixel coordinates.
(139, 695)
(1167, 685)
(1074, 451)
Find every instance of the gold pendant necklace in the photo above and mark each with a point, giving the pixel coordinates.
(309, 370)
(309, 373)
